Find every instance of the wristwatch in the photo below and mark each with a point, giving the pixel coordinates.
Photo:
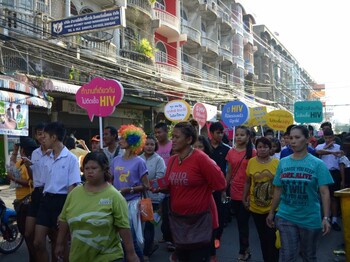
(132, 190)
(327, 219)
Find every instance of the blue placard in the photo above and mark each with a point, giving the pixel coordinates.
(87, 23)
(235, 113)
(308, 112)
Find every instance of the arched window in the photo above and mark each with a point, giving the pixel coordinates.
(161, 55)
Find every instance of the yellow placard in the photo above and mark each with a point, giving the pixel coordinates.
(257, 116)
(279, 119)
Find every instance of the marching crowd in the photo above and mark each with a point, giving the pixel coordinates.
(86, 200)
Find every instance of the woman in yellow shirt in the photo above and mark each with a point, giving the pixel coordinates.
(19, 173)
(258, 193)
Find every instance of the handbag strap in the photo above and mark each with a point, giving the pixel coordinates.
(239, 165)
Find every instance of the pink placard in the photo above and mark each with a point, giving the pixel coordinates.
(100, 96)
(200, 114)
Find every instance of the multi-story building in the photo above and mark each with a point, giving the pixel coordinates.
(280, 78)
(197, 50)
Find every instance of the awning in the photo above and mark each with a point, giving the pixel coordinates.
(53, 85)
(142, 101)
(21, 93)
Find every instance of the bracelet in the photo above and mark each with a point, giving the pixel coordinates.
(326, 218)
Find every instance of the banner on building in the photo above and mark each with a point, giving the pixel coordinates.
(14, 119)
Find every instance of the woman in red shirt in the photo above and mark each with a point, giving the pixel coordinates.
(192, 177)
(237, 159)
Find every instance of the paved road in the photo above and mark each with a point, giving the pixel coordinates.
(229, 244)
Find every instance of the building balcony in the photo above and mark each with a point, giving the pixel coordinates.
(193, 34)
(238, 62)
(168, 73)
(224, 19)
(141, 6)
(22, 22)
(210, 45)
(166, 24)
(249, 67)
(248, 38)
(209, 9)
(225, 54)
(135, 56)
(105, 50)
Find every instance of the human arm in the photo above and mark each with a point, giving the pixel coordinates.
(324, 192)
(130, 254)
(136, 189)
(63, 229)
(246, 189)
(275, 202)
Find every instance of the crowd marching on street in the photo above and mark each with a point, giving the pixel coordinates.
(102, 204)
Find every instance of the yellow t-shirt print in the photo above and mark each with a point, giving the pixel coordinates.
(124, 177)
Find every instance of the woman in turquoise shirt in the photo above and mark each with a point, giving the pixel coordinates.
(299, 179)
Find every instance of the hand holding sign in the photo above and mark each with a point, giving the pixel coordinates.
(100, 96)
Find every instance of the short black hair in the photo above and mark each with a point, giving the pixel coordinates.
(326, 124)
(56, 128)
(269, 132)
(303, 129)
(277, 143)
(113, 131)
(40, 126)
(216, 126)
(70, 143)
(161, 125)
(310, 127)
(264, 141)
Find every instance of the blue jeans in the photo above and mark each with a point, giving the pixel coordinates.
(297, 240)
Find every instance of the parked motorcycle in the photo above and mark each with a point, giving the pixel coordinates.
(10, 237)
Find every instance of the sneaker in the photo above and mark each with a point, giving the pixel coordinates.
(336, 226)
(170, 247)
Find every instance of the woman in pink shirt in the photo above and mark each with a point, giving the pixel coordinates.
(237, 159)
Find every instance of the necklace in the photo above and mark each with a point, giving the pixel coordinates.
(263, 161)
(182, 158)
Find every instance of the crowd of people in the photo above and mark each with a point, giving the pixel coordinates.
(86, 199)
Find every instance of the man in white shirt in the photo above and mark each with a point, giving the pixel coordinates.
(62, 175)
(330, 153)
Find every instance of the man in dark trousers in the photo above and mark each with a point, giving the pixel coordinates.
(219, 156)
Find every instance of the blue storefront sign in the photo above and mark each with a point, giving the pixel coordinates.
(235, 113)
(88, 22)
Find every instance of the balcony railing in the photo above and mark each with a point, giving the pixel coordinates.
(135, 56)
(249, 37)
(143, 5)
(239, 61)
(167, 18)
(102, 49)
(227, 54)
(23, 22)
(43, 7)
(168, 71)
(210, 43)
(211, 4)
(192, 33)
(224, 15)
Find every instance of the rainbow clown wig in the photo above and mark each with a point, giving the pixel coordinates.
(134, 136)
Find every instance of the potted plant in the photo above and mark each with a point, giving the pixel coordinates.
(144, 47)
